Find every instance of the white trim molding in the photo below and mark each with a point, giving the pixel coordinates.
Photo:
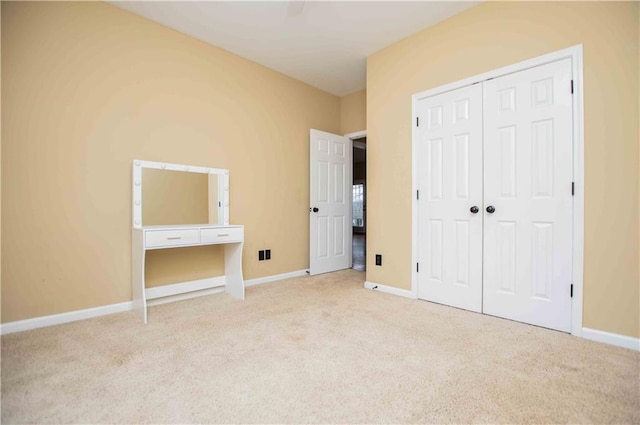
(356, 135)
(58, 319)
(274, 278)
(611, 338)
(179, 288)
(391, 290)
(163, 294)
(575, 53)
(185, 296)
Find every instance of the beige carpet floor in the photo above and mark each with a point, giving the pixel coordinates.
(313, 350)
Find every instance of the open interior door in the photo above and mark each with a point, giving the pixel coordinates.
(330, 202)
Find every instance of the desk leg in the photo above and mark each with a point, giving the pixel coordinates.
(233, 269)
(137, 275)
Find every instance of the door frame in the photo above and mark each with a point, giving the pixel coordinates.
(575, 53)
(354, 136)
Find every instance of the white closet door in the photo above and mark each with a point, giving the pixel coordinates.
(449, 170)
(527, 180)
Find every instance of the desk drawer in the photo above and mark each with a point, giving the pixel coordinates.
(168, 238)
(222, 235)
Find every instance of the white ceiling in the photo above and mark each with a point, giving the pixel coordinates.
(324, 44)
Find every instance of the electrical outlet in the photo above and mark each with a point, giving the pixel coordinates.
(260, 255)
(267, 254)
(378, 259)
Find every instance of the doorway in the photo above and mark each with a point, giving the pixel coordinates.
(331, 223)
(359, 204)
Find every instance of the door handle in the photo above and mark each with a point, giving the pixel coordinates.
(491, 209)
(314, 209)
(474, 209)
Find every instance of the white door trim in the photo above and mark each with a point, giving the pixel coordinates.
(356, 135)
(575, 54)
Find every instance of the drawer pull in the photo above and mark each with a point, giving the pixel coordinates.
(223, 234)
(174, 238)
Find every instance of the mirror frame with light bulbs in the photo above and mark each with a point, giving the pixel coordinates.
(223, 188)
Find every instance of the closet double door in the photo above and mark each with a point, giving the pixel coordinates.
(494, 164)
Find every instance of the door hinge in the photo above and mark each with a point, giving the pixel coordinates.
(417, 267)
(573, 188)
(417, 121)
(571, 86)
(572, 290)
(417, 194)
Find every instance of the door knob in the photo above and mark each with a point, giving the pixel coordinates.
(314, 209)
(474, 209)
(491, 209)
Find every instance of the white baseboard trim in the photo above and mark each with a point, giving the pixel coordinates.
(155, 296)
(611, 338)
(273, 278)
(181, 288)
(390, 290)
(186, 296)
(58, 319)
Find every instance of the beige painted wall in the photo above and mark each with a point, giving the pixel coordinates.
(353, 112)
(487, 37)
(87, 88)
(164, 266)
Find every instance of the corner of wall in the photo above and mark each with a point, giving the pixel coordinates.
(353, 112)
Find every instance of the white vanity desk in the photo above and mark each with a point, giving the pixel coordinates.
(148, 237)
(159, 237)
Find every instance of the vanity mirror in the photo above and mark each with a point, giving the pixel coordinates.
(167, 194)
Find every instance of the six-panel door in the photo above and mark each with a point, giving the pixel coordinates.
(330, 202)
(450, 172)
(528, 170)
(518, 138)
